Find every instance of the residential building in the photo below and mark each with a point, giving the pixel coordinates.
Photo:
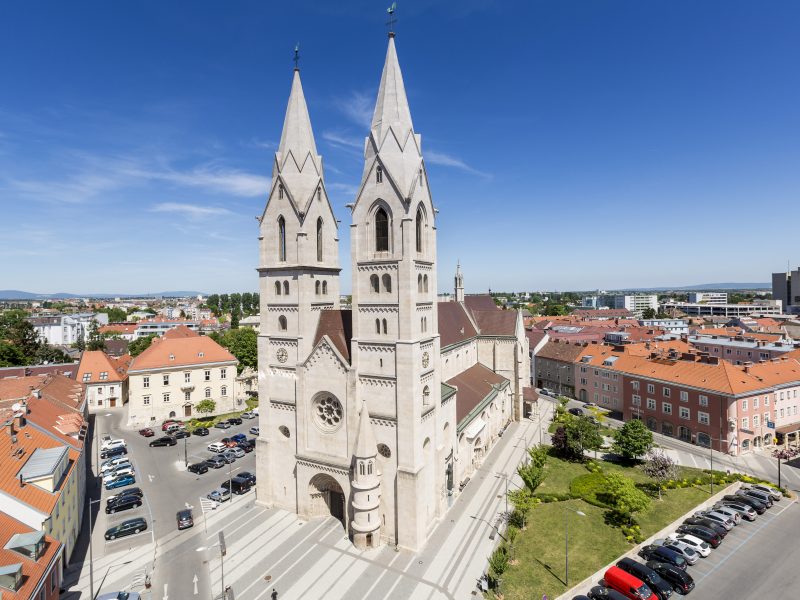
(159, 326)
(739, 349)
(601, 314)
(126, 331)
(555, 367)
(30, 562)
(105, 378)
(708, 297)
(537, 338)
(674, 326)
(65, 330)
(253, 322)
(786, 289)
(758, 307)
(635, 303)
(177, 371)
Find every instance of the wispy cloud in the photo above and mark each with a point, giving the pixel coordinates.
(73, 189)
(267, 144)
(447, 160)
(347, 189)
(217, 179)
(192, 211)
(342, 140)
(357, 107)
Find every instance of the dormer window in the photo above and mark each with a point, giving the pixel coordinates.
(11, 576)
(87, 377)
(379, 175)
(172, 357)
(103, 375)
(201, 354)
(30, 545)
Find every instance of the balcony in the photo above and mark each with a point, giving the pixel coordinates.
(187, 387)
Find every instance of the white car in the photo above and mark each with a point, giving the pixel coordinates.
(113, 461)
(217, 447)
(698, 545)
(113, 466)
(248, 414)
(254, 430)
(109, 444)
(774, 494)
(118, 473)
(732, 514)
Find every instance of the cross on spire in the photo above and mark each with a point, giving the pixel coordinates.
(297, 56)
(392, 18)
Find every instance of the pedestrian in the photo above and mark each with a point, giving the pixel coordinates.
(274, 594)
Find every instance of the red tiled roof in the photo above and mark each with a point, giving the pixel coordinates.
(473, 385)
(123, 328)
(454, 324)
(181, 331)
(480, 302)
(609, 313)
(338, 326)
(94, 362)
(34, 572)
(496, 322)
(67, 369)
(185, 351)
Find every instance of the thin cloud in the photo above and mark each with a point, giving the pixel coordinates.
(446, 160)
(228, 181)
(338, 139)
(357, 107)
(75, 189)
(267, 144)
(345, 188)
(192, 211)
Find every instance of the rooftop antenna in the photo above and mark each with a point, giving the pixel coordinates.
(297, 56)
(392, 18)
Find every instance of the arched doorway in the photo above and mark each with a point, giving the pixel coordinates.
(582, 394)
(703, 439)
(767, 440)
(684, 433)
(327, 497)
(652, 424)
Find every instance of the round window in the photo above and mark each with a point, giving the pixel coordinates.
(284, 430)
(384, 451)
(328, 412)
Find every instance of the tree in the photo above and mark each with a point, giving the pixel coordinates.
(183, 314)
(533, 473)
(115, 315)
(206, 406)
(576, 435)
(17, 330)
(213, 303)
(10, 355)
(623, 495)
(50, 354)
(633, 440)
(224, 303)
(235, 318)
(498, 563)
(524, 502)
(137, 346)
(660, 467)
(242, 343)
(96, 341)
(559, 440)
(649, 313)
(236, 302)
(555, 310)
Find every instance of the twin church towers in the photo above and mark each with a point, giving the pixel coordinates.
(351, 418)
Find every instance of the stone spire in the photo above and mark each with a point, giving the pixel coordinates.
(366, 484)
(391, 109)
(297, 136)
(459, 280)
(366, 446)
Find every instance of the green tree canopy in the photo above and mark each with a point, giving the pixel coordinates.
(95, 341)
(206, 406)
(242, 343)
(660, 467)
(18, 331)
(633, 440)
(137, 346)
(10, 355)
(575, 435)
(623, 495)
(649, 313)
(115, 315)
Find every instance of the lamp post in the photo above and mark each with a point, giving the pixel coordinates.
(566, 540)
(91, 557)
(477, 518)
(185, 452)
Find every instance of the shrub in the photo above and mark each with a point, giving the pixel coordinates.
(587, 487)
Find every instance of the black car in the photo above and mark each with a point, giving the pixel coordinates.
(199, 468)
(660, 588)
(708, 524)
(756, 505)
(680, 580)
(164, 441)
(201, 431)
(248, 476)
(113, 452)
(180, 434)
(131, 491)
(599, 592)
(129, 527)
(185, 519)
(662, 554)
(235, 421)
(215, 462)
(123, 502)
(578, 412)
(246, 446)
(223, 425)
(581, 597)
(704, 533)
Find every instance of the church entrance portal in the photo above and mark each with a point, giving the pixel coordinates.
(327, 497)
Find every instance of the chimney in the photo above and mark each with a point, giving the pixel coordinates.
(713, 360)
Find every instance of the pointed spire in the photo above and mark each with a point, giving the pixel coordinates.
(297, 136)
(366, 445)
(391, 109)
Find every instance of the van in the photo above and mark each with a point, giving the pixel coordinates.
(238, 485)
(628, 585)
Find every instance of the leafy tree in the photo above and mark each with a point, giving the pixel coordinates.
(137, 346)
(50, 354)
(236, 302)
(533, 473)
(115, 315)
(624, 496)
(96, 341)
(555, 310)
(524, 502)
(559, 440)
(224, 303)
(206, 406)
(242, 343)
(213, 303)
(649, 313)
(10, 355)
(183, 314)
(633, 440)
(17, 330)
(660, 467)
(235, 318)
(80, 343)
(498, 562)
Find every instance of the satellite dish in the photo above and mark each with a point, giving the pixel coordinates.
(16, 407)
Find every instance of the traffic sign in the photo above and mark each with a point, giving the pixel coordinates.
(770, 424)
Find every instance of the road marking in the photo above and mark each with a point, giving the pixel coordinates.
(194, 581)
(166, 597)
(151, 478)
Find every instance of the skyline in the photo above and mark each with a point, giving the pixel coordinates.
(142, 167)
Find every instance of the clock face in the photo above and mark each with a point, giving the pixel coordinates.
(426, 359)
(282, 355)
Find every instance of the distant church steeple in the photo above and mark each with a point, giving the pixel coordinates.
(459, 279)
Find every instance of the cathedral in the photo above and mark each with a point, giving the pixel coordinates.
(377, 413)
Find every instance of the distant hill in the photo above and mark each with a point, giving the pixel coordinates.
(20, 295)
(703, 287)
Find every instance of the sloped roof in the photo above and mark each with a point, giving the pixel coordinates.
(33, 572)
(67, 369)
(338, 326)
(480, 302)
(185, 350)
(181, 331)
(535, 336)
(496, 322)
(454, 324)
(366, 445)
(473, 385)
(563, 351)
(391, 107)
(94, 362)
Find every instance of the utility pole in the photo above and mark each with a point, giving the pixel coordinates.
(222, 552)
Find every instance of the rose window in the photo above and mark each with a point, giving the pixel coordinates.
(329, 412)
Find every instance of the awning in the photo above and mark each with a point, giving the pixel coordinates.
(790, 428)
(475, 428)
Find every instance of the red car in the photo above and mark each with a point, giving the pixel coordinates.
(166, 424)
(147, 432)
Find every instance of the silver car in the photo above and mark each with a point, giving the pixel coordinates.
(732, 514)
(717, 518)
(743, 509)
(765, 489)
(681, 548)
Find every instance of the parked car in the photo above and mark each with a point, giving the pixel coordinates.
(120, 596)
(180, 434)
(228, 456)
(216, 446)
(163, 441)
(120, 472)
(202, 431)
(114, 463)
(111, 443)
(223, 425)
(119, 482)
(235, 421)
(167, 423)
(129, 527)
(548, 392)
(680, 580)
(220, 495)
(125, 502)
(732, 514)
(248, 414)
(709, 536)
(660, 588)
(771, 491)
(662, 554)
(239, 437)
(627, 584)
(147, 432)
(708, 523)
(230, 443)
(578, 412)
(695, 543)
(247, 446)
(237, 452)
(237, 485)
(185, 519)
(600, 592)
(134, 491)
(717, 517)
(747, 512)
(756, 505)
(765, 499)
(248, 476)
(199, 468)
(688, 553)
(216, 462)
(113, 452)
(254, 431)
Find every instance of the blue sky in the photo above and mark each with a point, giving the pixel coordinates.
(570, 144)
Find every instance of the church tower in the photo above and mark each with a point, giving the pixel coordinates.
(459, 281)
(365, 484)
(395, 343)
(298, 266)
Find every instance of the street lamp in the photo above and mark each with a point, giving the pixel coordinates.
(566, 540)
(91, 557)
(477, 518)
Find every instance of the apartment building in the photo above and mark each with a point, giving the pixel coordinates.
(105, 378)
(176, 372)
(759, 307)
(786, 288)
(708, 297)
(555, 367)
(65, 330)
(739, 349)
(30, 562)
(159, 326)
(672, 326)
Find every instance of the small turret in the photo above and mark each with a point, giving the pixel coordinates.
(366, 484)
(459, 279)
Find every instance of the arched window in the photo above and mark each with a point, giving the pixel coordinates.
(419, 229)
(384, 326)
(285, 288)
(419, 283)
(387, 282)
(207, 392)
(426, 396)
(361, 468)
(374, 283)
(316, 287)
(282, 323)
(424, 283)
(324, 288)
(381, 231)
(277, 288)
(379, 174)
(281, 237)
(369, 468)
(319, 239)
(280, 192)
(377, 325)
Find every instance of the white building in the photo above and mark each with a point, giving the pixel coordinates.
(636, 303)
(759, 307)
(708, 297)
(161, 326)
(676, 326)
(105, 378)
(372, 414)
(65, 330)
